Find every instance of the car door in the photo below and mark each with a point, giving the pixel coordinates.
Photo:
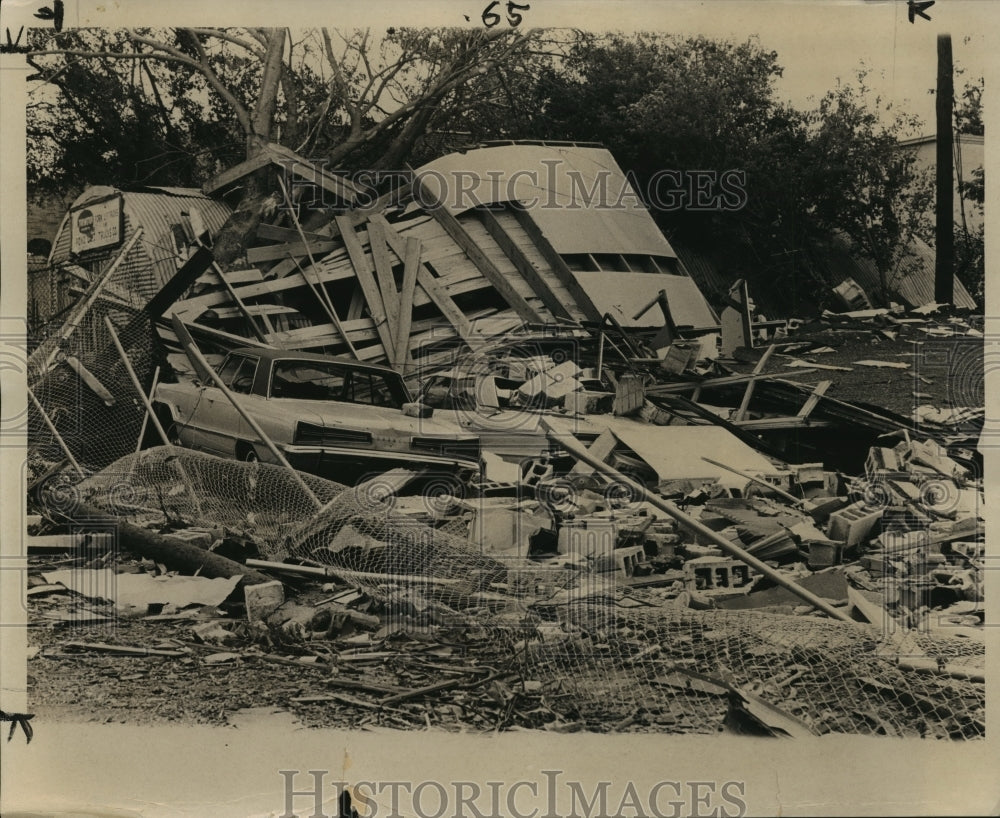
(220, 424)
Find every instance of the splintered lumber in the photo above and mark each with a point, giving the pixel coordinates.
(691, 524)
(321, 293)
(562, 272)
(172, 552)
(411, 265)
(369, 287)
(435, 291)
(454, 228)
(757, 370)
(523, 264)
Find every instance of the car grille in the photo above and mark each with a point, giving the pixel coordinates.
(467, 449)
(310, 434)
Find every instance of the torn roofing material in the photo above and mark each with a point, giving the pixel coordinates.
(578, 196)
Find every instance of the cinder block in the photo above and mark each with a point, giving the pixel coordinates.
(853, 524)
(622, 560)
(263, 599)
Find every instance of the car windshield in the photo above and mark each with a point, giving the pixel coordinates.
(315, 380)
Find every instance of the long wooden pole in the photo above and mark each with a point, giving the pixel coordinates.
(149, 409)
(201, 362)
(945, 204)
(690, 523)
(55, 433)
(95, 290)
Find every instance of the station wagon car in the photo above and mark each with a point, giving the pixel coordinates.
(335, 417)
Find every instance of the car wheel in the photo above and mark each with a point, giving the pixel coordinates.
(249, 454)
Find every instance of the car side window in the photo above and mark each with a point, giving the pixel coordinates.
(242, 382)
(305, 380)
(229, 367)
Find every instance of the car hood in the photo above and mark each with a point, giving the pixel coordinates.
(358, 416)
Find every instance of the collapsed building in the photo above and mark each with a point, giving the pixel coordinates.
(639, 489)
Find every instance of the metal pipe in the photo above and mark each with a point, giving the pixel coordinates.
(580, 453)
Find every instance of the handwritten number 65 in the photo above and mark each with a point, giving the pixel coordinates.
(491, 18)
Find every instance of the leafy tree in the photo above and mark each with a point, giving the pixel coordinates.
(175, 106)
(866, 185)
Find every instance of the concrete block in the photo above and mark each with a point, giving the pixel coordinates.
(853, 524)
(588, 402)
(629, 395)
(594, 537)
(263, 599)
(622, 560)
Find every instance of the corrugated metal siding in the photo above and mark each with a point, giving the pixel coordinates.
(154, 259)
(914, 284)
(833, 262)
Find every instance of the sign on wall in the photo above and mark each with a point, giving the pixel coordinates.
(96, 225)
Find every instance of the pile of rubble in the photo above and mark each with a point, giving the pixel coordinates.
(678, 521)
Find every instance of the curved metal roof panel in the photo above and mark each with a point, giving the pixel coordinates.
(156, 211)
(578, 196)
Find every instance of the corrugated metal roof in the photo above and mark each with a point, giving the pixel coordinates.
(581, 199)
(154, 259)
(913, 283)
(833, 262)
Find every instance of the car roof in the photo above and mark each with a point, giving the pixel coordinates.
(273, 354)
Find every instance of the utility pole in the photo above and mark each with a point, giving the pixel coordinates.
(945, 207)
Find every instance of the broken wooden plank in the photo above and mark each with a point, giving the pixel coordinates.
(523, 265)
(425, 278)
(373, 297)
(277, 252)
(271, 232)
(411, 266)
(297, 165)
(236, 172)
(90, 379)
(555, 261)
(711, 383)
(124, 650)
(454, 228)
(383, 270)
(600, 449)
(748, 394)
(813, 399)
